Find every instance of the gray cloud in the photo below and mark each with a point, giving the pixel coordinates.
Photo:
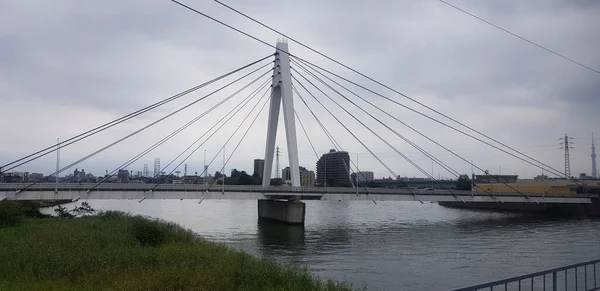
(66, 66)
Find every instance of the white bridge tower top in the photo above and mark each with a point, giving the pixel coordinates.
(281, 96)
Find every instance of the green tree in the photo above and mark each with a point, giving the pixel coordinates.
(276, 182)
(463, 182)
(235, 173)
(245, 179)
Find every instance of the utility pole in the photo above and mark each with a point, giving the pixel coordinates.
(205, 169)
(594, 170)
(356, 175)
(566, 145)
(432, 175)
(472, 179)
(57, 165)
(223, 173)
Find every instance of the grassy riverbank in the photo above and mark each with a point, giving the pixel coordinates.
(115, 251)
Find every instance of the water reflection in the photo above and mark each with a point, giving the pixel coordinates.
(275, 236)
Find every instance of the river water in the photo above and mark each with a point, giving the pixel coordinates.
(388, 245)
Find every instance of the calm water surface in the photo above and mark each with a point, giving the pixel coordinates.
(388, 245)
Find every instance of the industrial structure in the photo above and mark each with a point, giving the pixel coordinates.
(566, 145)
(333, 169)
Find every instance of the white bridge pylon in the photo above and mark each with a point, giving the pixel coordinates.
(282, 93)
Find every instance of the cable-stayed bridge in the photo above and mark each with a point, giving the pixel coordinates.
(284, 81)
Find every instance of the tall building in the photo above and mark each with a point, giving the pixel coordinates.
(363, 177)
(259, 167)
(307, 178)
(156, 167)
(333, 169)
(594, 170)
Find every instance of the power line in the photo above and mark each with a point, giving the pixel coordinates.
(520, 37)
(361, 74)
(119, 120)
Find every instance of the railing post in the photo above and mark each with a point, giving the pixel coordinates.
(554, 287)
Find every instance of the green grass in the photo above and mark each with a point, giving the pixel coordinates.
(115, 251)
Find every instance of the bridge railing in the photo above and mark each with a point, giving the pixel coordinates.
(582, 276)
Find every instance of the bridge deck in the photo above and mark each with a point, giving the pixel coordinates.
(46, 191)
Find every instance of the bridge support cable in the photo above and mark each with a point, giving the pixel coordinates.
(344, 126)
(403, 123)
(439, 162)
(382, 139)
(233, 112)
(215, 131)
(549, 169)
(427, 154)
(341, 123)
(177, 131)
(306, 133)
(334, 142)
(368, 128)
(147, 126)
(50, 149)
(541, 165)
(240, 141)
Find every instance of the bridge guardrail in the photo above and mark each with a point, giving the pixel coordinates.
(581, 276)
(258, 189)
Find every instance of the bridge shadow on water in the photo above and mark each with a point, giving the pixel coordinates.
(277, 235)
(294, 243)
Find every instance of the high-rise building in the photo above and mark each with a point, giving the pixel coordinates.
(259, 167)
(333, 169)
(363, 177)
(307, 178)
(156, 167)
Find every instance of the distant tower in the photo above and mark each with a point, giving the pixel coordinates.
(277, 163)
(185, 170)
(594, 171)
(156, 167)
(567, 146)
(145, 173)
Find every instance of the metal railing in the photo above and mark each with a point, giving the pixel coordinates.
(583, 276)
(260, 189)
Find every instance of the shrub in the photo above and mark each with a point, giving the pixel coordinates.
(148, 233)
(12, 212)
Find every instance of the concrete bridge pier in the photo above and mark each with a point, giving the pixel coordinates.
(283, 211)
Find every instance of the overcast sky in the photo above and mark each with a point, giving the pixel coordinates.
(68, 66)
